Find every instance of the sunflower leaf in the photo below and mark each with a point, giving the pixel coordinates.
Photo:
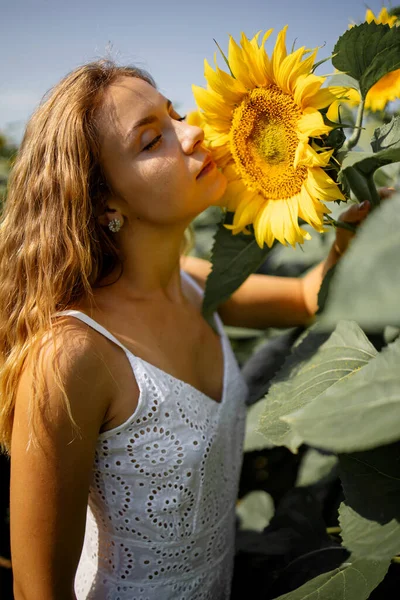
(315, 365)
(367, 52)
(234, 258)
(356, 576)
(366, 287)
(343, 80)
(358, 413)
(372, 546)
(372, 474)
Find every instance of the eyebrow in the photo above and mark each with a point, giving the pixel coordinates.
(145, 121)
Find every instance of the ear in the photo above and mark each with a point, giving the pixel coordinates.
(108, 215)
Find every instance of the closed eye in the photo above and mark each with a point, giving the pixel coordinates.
(157, 139)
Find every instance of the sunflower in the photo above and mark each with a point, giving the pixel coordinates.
(258, 121)
(387, 88)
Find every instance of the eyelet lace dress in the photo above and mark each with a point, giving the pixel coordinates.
(161, 510)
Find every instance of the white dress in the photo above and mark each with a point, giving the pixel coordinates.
(161, 510)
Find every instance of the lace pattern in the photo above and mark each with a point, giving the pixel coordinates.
(161, 511)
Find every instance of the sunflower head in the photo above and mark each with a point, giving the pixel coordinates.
(261, 120)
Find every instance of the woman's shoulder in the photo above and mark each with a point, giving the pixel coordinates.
(69, 359)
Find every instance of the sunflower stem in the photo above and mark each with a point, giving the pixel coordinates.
(353, 140)
(341, 224)
(333, 530)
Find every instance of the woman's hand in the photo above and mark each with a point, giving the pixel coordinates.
(354, 215)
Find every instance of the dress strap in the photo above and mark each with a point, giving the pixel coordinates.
(94, 324)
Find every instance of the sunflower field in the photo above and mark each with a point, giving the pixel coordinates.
(319, 505)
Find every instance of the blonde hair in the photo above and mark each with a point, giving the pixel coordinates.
(53, 250)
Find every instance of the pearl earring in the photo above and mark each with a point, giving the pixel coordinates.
(115, 225)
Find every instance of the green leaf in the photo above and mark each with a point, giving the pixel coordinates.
(314, 467)
(314, 366)
(234, 258)
(386, 150)
(369, 539)
(371, 482)
(253, 439)
(355, 580)
(372, 546)
(366, 284)
(255, 510)
(358, 168)
(359, 413)
(343, 80)
(367, 52)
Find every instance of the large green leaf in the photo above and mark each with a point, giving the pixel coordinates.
(367, 52)
(355, 580)
(366, 284)
(314, 366)
(371, 482)
(234, 258)
(358, 413)
(368, 539)
(372, 546)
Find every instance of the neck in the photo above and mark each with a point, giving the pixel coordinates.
(151, 261)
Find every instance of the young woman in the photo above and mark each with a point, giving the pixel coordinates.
(122, 409)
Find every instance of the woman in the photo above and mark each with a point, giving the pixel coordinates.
(116, 391)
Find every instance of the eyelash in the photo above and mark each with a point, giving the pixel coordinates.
(157, 139)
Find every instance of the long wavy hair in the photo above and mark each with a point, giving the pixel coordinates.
(53, 250)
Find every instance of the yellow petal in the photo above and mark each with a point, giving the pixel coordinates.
(230, 172)
(194, 117)
(235, 194)
(210, 102)
(284, 76)
(310, 209)
(321, 186)
(311, 158)
(279, 53)
(223, 83)
(246, 211)
(262, 226)
(306, 87)
(238, 65)
(312, 123)
(320, 99)
(250, 52)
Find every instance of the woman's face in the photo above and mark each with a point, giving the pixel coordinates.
(152, 159)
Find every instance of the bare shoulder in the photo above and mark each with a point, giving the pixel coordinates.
(74, 358)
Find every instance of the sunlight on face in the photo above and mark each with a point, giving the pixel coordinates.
(153, 160)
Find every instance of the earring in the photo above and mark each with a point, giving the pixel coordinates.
(115, 225)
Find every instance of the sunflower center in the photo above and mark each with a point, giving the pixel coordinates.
(264, 139)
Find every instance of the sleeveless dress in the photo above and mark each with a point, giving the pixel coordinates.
(161, 509)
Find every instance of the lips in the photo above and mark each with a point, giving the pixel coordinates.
(206, 166)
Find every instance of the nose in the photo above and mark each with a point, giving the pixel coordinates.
(192, 137)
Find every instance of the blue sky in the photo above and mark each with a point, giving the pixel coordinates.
(42, 40)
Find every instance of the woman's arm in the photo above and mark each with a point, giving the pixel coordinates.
(49, 483)
(267, 301)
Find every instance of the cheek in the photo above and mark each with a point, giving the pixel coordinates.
(164, 178)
